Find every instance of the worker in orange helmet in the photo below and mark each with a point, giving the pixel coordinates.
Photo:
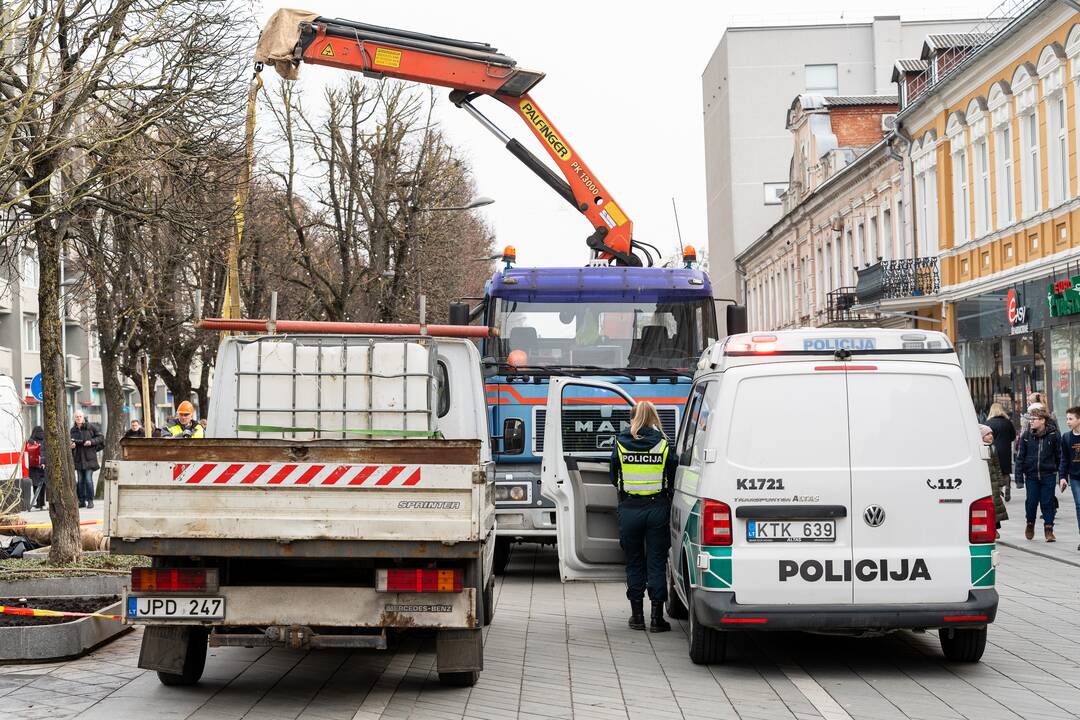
(185, 426)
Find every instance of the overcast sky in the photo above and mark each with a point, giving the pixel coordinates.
(623, 85)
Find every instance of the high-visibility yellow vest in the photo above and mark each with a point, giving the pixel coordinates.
(176, 430)
(643, 470)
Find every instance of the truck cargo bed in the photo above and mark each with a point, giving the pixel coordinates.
(250, 497)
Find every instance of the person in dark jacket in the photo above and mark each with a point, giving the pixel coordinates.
(1037, 461)
(1004, 438)
(86, 442)
(1069, 469)
(643, 469)
(135, 430)
(35, 463)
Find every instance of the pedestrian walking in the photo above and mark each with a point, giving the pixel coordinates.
(1037, 460)
(1004, 438)
(184, 426)
(86, 442)
(35, 463)
(643, 470)
(134, 430)
(997, 479)
(1069, 470)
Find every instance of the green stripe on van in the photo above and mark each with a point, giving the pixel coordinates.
(982, 565)
(718, 574)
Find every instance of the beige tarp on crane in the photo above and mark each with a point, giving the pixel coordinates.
(278, 41)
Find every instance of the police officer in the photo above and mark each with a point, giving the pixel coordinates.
(643, 469)
(185, 426)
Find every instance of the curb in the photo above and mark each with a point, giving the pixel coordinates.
(73, 639)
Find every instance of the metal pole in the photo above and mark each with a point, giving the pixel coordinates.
(271, 324)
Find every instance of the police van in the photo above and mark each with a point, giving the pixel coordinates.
(830, 480)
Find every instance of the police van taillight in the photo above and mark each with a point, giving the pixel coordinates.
(715, 523)
(981, 522)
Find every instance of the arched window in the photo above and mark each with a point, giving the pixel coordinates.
(1025, 91)
(978, 120)
(956, 130)
(924, 170)
(999, 104)
(1051, 69)
(1072, 52)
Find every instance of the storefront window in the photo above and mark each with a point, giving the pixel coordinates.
(1060, 380)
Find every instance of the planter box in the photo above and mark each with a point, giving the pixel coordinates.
(63, 640)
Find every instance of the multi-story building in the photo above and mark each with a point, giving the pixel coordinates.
(991, 150)
(843, 214)
(747, 86)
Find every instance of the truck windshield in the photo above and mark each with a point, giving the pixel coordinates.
(610, 335)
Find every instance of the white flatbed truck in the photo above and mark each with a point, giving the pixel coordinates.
(345, 491)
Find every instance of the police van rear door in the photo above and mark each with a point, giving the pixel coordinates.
(916, 469)
(586, 519)
(785, 473)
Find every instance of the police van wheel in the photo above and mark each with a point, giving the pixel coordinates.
(502, 555)
(675, 608)
(707, 646)
(963, 644)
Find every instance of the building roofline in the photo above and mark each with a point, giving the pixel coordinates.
(816, 194)
(861, 23)
(1006, 31)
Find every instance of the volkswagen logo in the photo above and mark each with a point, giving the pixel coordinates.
(874, 516)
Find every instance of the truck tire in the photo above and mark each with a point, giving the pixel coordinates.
(489, 601)
(194, 661)
(708, 646)
(963, 644)
(675, 608)
(502, 555)
(459, 679)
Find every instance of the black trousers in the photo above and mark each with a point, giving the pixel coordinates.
(645, 537)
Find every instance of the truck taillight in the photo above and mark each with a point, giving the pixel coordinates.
(417, 580)
(981, 522)
(715, 523)
(174, 579)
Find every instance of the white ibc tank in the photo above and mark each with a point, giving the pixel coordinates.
(358, 387)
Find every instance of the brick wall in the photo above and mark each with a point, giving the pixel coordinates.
(859, 126)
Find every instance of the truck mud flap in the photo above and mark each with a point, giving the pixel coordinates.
(165, 647)
(460, 650)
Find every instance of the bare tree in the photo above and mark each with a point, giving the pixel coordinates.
(358, 187)
(77, 81)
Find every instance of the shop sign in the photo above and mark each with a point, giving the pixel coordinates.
(1017, 313)
(1064, 297)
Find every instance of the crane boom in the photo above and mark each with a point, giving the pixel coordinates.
(471, 69)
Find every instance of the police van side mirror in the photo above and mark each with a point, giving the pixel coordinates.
(513, 437)
(984, 452)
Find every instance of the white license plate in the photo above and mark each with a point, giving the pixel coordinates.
(791, 531)
(167, 608)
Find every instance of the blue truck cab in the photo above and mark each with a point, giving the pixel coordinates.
(642, 328)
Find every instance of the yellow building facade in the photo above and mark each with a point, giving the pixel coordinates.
(994, 182)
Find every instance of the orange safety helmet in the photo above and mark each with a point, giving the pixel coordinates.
(185, 408)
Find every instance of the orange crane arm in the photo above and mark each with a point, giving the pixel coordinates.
(471, 69)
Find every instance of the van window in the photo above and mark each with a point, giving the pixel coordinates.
(691, 416)
(902, 420)
(442, 389)
(789, 422)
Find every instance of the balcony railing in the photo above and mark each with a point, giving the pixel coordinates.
(839, 305)
(898, 279)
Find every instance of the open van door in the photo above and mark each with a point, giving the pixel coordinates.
(586, 503)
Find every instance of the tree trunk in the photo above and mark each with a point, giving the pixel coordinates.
(114, 403)
(59, 466)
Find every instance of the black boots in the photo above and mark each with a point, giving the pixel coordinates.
(659, 624)
(637, 615)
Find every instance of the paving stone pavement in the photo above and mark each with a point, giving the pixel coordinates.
(564, 651)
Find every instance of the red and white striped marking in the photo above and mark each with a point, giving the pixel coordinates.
(292, 474)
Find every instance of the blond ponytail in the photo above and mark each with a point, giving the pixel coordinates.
(644, 415)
